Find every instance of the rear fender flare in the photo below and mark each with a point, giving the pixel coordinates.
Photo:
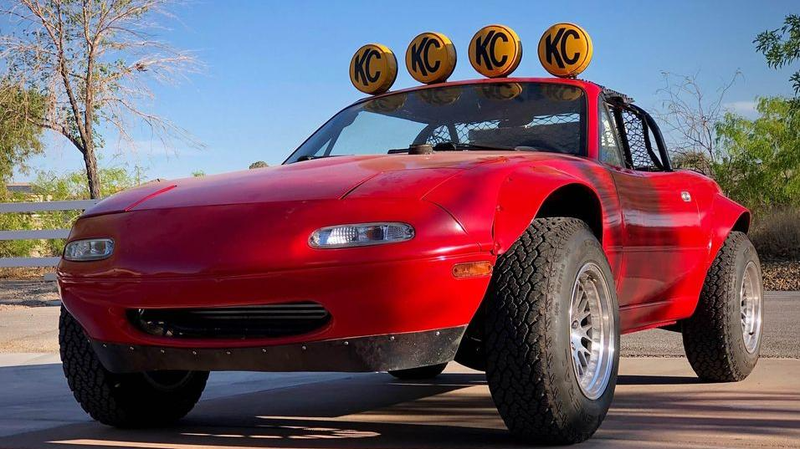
(725, 216)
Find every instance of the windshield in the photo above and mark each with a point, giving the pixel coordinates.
(488, 116)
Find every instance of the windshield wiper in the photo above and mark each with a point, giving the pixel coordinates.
(452, 146)
(312, 157)
(481, 147)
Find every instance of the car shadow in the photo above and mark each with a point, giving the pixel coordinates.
(658, 380)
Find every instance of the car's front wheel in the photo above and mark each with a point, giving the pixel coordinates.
(552, 333)
(124, 400)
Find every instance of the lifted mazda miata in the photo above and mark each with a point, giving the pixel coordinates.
(515, 225)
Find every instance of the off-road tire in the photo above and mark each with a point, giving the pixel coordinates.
(421, 373)
(529, 366)
(122, 400)
(712, 336)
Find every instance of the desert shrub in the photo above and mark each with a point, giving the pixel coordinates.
(776, 234)
(760, 159)
(692, 160)
(50, 186)
(16, 222)
(72, 186)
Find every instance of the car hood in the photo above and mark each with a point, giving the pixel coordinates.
(383, 176)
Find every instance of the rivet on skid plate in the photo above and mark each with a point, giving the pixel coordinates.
(304, 347)
(163, 352)
(391, 338)
(194, 352)
(105, 345)
(131, 348)
(264, 351)
(346, 343)
(438, 333)
(228, 352)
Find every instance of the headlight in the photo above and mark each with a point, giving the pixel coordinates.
(86, 250)
(363, 234)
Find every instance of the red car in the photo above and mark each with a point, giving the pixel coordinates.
(514, 225)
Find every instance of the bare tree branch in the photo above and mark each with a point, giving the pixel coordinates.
(95, 62)
(690, 118)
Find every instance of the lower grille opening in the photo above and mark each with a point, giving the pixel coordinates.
(264, 321)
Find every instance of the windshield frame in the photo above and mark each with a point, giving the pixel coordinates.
(587, 87)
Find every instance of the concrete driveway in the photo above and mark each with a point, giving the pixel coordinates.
(659, 403)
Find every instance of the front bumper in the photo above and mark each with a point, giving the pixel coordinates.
(363, 300)
(238, 256)
(361, 354)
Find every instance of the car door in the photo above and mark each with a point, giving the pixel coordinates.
(663, 240)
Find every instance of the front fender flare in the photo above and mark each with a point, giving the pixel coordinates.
(495, 207)
(520, 200)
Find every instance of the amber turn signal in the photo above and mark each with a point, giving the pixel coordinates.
(472, 269)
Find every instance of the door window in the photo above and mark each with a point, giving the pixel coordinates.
(610, 151)
(642, 149)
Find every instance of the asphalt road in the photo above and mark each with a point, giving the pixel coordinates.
(34, 329)
(781, 332)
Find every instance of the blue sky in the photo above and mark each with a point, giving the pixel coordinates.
(276, 70)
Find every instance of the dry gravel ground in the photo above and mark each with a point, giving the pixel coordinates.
(783, 276)
(28, 329)
(28, 293)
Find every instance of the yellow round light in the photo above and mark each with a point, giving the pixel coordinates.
(386, 104)
(495, 51)
(431, 58)
(565, 50)
(500, 91)
(440, 96)
(560, 92)
(373, 69)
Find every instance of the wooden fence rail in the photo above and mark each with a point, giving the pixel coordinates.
(11, 208)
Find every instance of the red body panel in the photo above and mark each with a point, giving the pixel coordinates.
(242, 239)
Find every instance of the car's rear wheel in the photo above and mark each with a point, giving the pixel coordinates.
(552, 333)
(421, 373)
(722, 339)
(124, 400)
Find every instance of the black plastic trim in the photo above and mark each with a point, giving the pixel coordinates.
(361, 354)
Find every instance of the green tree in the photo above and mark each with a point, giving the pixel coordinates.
(94, 61)
(760, 163)
(53, 186)
(781, 46)
(18, 138)
(72, 186)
